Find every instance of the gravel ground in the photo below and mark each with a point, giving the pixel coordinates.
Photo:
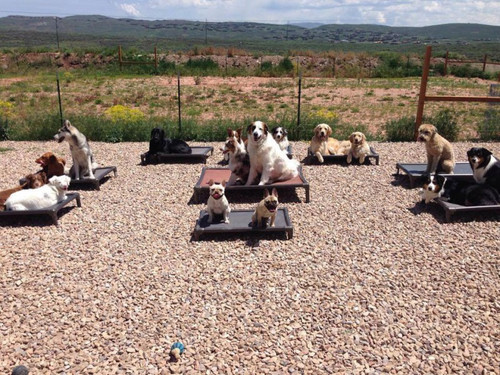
(370, 282)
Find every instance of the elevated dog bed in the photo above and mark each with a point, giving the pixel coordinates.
(218, 174)
(451, 208)
(331, 159)
(99, 174)
(52, 211)
(416, 170)
(199, 155)
(240, 221)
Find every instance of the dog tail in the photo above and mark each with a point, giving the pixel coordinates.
(291, 170)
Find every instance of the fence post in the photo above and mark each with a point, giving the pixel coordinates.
(179, 99)
(446, 64)
(423, 89)
(297, 133)
(484, 62)
(120, 57)
(156, 60)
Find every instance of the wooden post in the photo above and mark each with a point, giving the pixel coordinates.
(484, 62)
(334, 67)
(120, 57)
(423, 89)
(445, 73)
(156, 59)
(297, 133)
(179, 99)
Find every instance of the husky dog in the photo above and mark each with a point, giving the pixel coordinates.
(83, 160)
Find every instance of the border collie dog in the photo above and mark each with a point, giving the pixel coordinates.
(280, 135)
(458, 192)
(485, 166)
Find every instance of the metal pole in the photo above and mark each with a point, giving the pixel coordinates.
(179, 99)
(423, 89)
(297, 133)
(59, 97)
(57, 36)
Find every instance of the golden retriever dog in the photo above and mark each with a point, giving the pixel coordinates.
(321, 143)
(440, 156)
(359, 147)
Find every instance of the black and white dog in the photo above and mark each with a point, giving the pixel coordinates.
(280, 135)
(159, 143)
(458, 192)
(485, 166)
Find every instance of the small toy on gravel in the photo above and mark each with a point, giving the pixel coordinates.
(176, 350)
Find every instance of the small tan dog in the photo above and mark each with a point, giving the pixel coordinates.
(440, 156)
(217, 203)
(266, 208)
(359, 147)
(321, 143)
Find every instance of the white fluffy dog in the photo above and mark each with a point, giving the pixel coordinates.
(267, 158)
(42, 197)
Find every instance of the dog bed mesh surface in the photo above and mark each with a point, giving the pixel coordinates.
(52, 211)
(240, 221)
(451, 208)
(312, 159)
(416, 170)
(99, 174)
(220, 174)
(199, 154)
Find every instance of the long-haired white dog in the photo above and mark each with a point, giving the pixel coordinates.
(267, 158)
(42, 197)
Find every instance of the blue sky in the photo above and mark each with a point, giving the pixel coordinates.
(384, 12)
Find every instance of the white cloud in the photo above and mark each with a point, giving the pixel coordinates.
(130, 9)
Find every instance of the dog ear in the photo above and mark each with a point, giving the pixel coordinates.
(275, 192)
(266, 193)
(266, 128)
(43, 176)
(211, 182)
(363, 137)
(223, 183)
(62, 161)
(485, 152)
(351, 138)
(162, 134)
(229, 132)
(53, 159)
(67, 124)
(329, 130)
(249, 128)
(285, 132)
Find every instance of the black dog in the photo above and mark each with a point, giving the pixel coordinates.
(159, 143)
(485, 166)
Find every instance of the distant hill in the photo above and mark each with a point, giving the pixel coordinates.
(308, 25)
(99, 31)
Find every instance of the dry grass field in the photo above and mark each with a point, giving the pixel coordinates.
(371, 282)
(367, 102)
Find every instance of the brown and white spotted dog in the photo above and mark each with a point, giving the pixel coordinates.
(440, 156)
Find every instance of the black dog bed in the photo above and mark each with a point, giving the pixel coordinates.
(451, 208)
(52, 211)
(199, 154)
(331, 159)
(416, 170)
(240, 221)
(99, 174)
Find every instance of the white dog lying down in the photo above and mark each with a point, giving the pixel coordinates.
(42, 197)
(267, 158)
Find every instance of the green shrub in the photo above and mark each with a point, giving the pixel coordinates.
(489, 128)
(402, 129)
(467, 71)
(394, 65)
(285, 65)
(204, 64)
(4, 129)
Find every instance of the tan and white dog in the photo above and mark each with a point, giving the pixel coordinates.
(239, 162)
(321, 143)
(359, 147)
(440, 156)
(266, 209)
(267, 158)
(217, 203)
